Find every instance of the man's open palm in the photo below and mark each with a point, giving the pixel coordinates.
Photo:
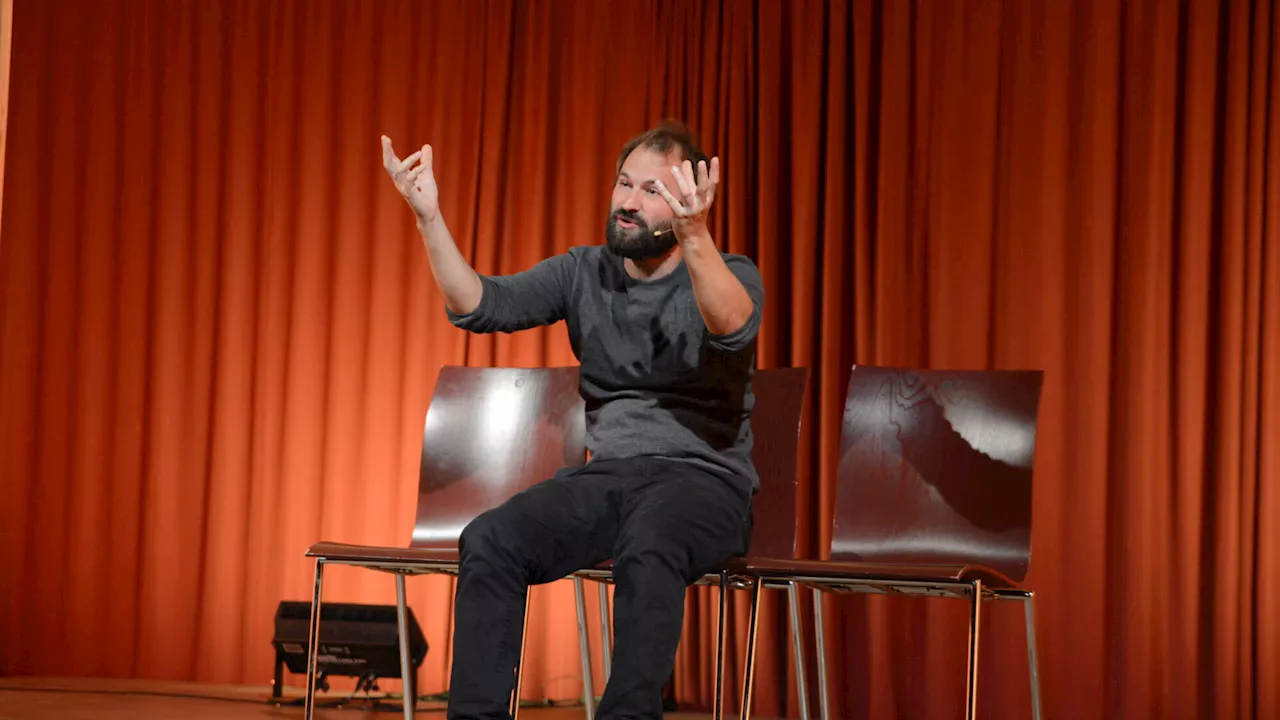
(414, 179)
(691, 203)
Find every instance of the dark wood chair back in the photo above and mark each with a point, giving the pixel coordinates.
(936, 468)
(490, 433)
(775, 425)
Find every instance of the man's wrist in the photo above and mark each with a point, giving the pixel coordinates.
(695, 239)
(426, 227)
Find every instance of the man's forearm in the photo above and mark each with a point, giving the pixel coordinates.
(456, 280)
(721, 297)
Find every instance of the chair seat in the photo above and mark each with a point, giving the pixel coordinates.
(398, 557)
(604, 573)
(832, 572)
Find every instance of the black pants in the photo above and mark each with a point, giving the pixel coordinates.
(664, 523)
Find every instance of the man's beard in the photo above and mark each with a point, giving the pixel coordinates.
(639, 242)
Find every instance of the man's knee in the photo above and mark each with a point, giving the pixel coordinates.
(488, 536)
(650, 551)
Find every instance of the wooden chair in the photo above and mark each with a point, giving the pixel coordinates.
(779, 399)
(933, 500)
(489, 433)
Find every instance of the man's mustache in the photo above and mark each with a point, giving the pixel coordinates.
(630, 217)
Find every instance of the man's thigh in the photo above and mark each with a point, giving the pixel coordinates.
(558, 526)
(688, 515)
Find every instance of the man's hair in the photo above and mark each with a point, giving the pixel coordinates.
(667, 136)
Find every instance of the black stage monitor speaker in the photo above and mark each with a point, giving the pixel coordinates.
(355, 640)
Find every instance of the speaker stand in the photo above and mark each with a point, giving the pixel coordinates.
(367, 684)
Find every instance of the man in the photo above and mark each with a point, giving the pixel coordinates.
(664, 328)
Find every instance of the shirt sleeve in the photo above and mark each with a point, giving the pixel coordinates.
(749, 276)
(523, 300)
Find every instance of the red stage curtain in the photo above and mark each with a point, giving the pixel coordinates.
(6, 48)
(218, 333)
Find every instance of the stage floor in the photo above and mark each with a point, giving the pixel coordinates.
(24, 698)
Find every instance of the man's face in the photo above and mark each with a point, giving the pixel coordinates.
(637, 209)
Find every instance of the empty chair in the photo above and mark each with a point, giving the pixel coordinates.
(489, 433)
(933, 499)
(779, 399)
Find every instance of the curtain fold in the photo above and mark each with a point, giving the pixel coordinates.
(6, 53)
(219, 333)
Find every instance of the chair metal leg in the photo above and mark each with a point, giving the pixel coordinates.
(752, 625)
(717, 703)
(975, 618)
(1029, 601)
(606, 641)
(313, 642)
(797, 647)
(588, 693)
(820, 635)
(524, 636)
(406, 670)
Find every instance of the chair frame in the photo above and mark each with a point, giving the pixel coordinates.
(726, 581)
(400, 569)
(976, 583)
(433, 558)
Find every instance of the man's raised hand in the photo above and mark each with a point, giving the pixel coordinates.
(414, 179)
(692, 199)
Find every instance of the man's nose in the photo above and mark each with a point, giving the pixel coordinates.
(631, 202)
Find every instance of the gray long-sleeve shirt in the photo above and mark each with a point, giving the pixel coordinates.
(655, 381)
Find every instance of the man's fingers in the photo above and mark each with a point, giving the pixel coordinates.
(708, 197)
(408, 162)
(682, 183)
(666, 195)
(708, 174)
(389, 159)
(395, 165)
(708, 178)
(704, 178)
